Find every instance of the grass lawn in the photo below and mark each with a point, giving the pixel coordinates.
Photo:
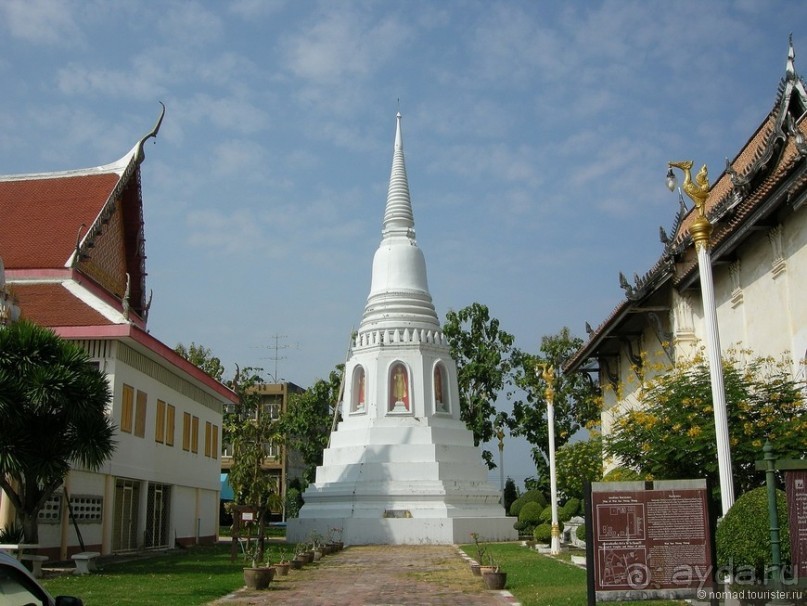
(200, 575)
(185, 578)
(539, 580)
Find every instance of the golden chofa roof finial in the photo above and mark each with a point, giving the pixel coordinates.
(697, 190)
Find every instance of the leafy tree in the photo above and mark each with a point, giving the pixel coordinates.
(306, 424)
(671, 433)
(53, 403)
(482, 352)
(202, 357)
(575, 401)
(250, 430)
(576, 462)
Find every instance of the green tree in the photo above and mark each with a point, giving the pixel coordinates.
(576, 462)
(575, 401)
(202, 357)
(671, 433)
(250, 431)
(306, 424)
(482, 352)
(53, 403)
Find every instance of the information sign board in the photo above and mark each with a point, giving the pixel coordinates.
(796, 489)
(650, 540)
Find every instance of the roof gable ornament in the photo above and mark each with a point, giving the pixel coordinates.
(790, 106)
(140, 155)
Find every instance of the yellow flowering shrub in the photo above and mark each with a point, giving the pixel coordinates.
(671, 434)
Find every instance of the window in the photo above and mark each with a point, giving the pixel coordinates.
(169, 425)
(159, 427)
(127, 409)
(195, 435)
(208, 437)
(140, 414)
(214, 446)
(186, 431)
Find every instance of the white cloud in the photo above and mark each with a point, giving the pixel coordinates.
(189, 24)
(49, 22)
(252, 9)
(238, 158)
(77, 79)
(343, 44)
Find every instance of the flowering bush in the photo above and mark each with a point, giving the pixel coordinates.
(576, 462)
(671, 433)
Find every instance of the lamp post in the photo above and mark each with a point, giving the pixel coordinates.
(701, 230)
(548, 373)
(500, 435)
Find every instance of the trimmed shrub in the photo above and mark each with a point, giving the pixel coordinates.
(543, 533)
(581, 532)
(530, 513)
(546, 514)
(743, 535)
(531, 496)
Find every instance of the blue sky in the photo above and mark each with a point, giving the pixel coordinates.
(536, 137)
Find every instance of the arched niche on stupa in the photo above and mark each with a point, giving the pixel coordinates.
(399, 380)
(440, 391)
(358, 403)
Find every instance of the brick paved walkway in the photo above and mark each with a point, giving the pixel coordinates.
(375, 576)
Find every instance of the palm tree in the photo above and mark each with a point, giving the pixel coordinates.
(53, 403)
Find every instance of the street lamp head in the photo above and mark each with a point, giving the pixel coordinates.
(672, 182)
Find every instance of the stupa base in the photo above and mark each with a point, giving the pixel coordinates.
(403, 530)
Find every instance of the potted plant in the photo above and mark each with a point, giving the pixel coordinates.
(258, 575)
(476, 565)
(335, 538)
(315, 540)
(301, 556)
(283, 565)
(493, 576)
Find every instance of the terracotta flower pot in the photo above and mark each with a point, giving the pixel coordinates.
(258, 578)
(282, 569)
(296, 563)
(476, 569)
(494, 580)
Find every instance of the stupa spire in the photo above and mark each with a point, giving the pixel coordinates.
(398, 214)
(399, 290)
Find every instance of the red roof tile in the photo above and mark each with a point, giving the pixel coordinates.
(41, 216)
(52, 304)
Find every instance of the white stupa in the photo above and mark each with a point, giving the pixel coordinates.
(401, 467)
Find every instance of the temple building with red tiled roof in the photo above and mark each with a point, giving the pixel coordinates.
(73, 247)
(758, 211)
